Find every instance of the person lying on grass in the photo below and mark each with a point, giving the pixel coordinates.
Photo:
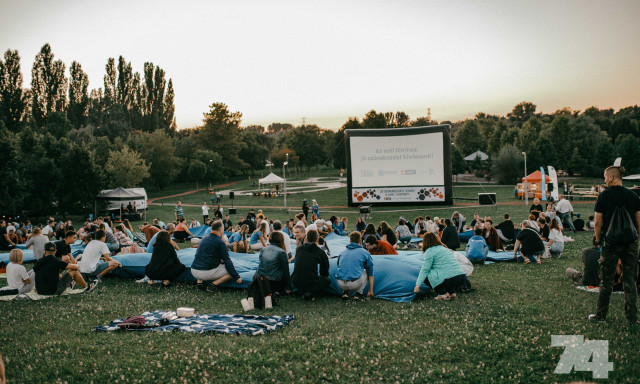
(529, 243)
(355, 267)
(212, 262)
(440, 269)
(96, 259)
(48, 279)
(274, 264)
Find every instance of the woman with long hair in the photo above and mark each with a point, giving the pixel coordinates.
(258, 240)
(440, 269)
(556, 239)
(274, 264)
(387, 234)
(164, 264)
(370, 230)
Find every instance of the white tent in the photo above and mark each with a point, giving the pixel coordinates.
(483, 156)
(271, 178)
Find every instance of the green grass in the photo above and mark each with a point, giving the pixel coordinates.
(501, 332)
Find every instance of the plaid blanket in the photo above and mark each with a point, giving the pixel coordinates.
(227, 324)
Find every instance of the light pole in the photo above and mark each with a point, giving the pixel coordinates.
(210, 165)
(526, 190)
(285, 180)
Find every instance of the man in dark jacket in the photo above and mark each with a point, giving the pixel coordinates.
(450, 235)
(309, 257)
(212, 262)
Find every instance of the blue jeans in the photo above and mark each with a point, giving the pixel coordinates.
(566, 218)
(113, 246)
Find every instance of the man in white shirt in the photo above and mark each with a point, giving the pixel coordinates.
(564, 209)
(48, 229)
(205, 211)
(90, 264)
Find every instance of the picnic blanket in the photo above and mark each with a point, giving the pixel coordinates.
(251, 325)
(33, 295)
(592, 289)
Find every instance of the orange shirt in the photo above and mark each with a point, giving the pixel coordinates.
(384, 248)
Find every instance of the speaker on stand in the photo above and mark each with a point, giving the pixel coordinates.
(232, 195)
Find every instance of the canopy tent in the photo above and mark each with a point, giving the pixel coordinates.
(120, 194)
(483, 156)
(271, 178)
(536, 177)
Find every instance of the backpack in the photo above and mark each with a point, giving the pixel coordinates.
(258, 289)
(621, 230)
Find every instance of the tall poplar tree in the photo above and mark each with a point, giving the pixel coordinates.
(12, 98)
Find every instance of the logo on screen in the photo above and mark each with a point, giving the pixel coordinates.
(408, 172)
(366, 173)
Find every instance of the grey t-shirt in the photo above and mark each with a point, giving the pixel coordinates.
(38, 243)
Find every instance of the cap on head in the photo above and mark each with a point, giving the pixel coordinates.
(50, 246)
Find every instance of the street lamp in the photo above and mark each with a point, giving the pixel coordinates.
(285, 180)
(210, 165)
(526, 190)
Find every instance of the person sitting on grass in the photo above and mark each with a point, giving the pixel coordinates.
(379, 247)
(48, 279)
(277, 227)
(506, 229)
(458, 221)
(370, 230)
(578, 223)
(529, 243)
(170, 228)
(212, 262)
(110, 239)
(387, 234)
(491, 236)
(299, 233)
(477, 248)
(355, 267)
(239, 241)
(5, 242)
(36, 242)
(164, 264)
(590, 269)
(126, 244)
(311, 269)
(403, 233)
(274, 264)
(182, 231)
(258, 240)
(556, 240)
(440, 269)
(63, 247)
(336, 225)
(419, 227)
(128, 229)
(450, 236)
(96, 259)
(544, 228)
(18, 279)
(361, 225)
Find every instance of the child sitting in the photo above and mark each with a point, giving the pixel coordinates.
(20, 281)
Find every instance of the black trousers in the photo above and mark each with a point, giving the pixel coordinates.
(314, 286)
(449, 286)
(628, 254)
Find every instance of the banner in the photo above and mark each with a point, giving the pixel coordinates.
(543, 185)
(554, 181)
(398, 195)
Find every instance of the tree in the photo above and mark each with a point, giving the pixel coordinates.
(628, 147)
(57, 124)
(423, 122)
(604, 156)
(110, 83)
(494, 142)
(522, 112)
(529, 133)
(12, 99)
(468, 138)
(213, 161)
(78, 95)
(126, 168)
(11, 187)
(577, 164)
(158, 150)
(257, 148)
(305, 141)
(197, 171)
(221, 133)
(48, 85)
(374, 120)
(79, 184)
(169, 109)
(507, 166)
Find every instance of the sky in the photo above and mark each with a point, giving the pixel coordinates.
(325, 61)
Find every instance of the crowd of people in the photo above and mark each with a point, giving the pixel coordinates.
(541, 234)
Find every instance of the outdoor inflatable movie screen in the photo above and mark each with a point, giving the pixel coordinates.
(399, 166)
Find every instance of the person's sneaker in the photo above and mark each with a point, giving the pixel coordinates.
(201, 286)
(92, 285)
(72, 285)
(345, 296)
(358, 296)
(442, 297)
(212, 288)
(594, 318)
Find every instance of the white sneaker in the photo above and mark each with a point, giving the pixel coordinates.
(442, 297)
(91, 286)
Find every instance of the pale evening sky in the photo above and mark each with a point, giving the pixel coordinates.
(280, 61)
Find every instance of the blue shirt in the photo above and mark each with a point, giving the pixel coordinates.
(237, 236)
(211, 252)
(352, 261)
(477, 248)
(255, 238)
(338, 228)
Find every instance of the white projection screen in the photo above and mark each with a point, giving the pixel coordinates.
(399, 166)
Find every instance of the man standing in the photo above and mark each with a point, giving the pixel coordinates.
(178, 211)
(613, 249)
(564, 209)
(310, 259)
(205, 212)
(212, 262)
(355, 267)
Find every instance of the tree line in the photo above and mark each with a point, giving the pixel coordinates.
(62, 144)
